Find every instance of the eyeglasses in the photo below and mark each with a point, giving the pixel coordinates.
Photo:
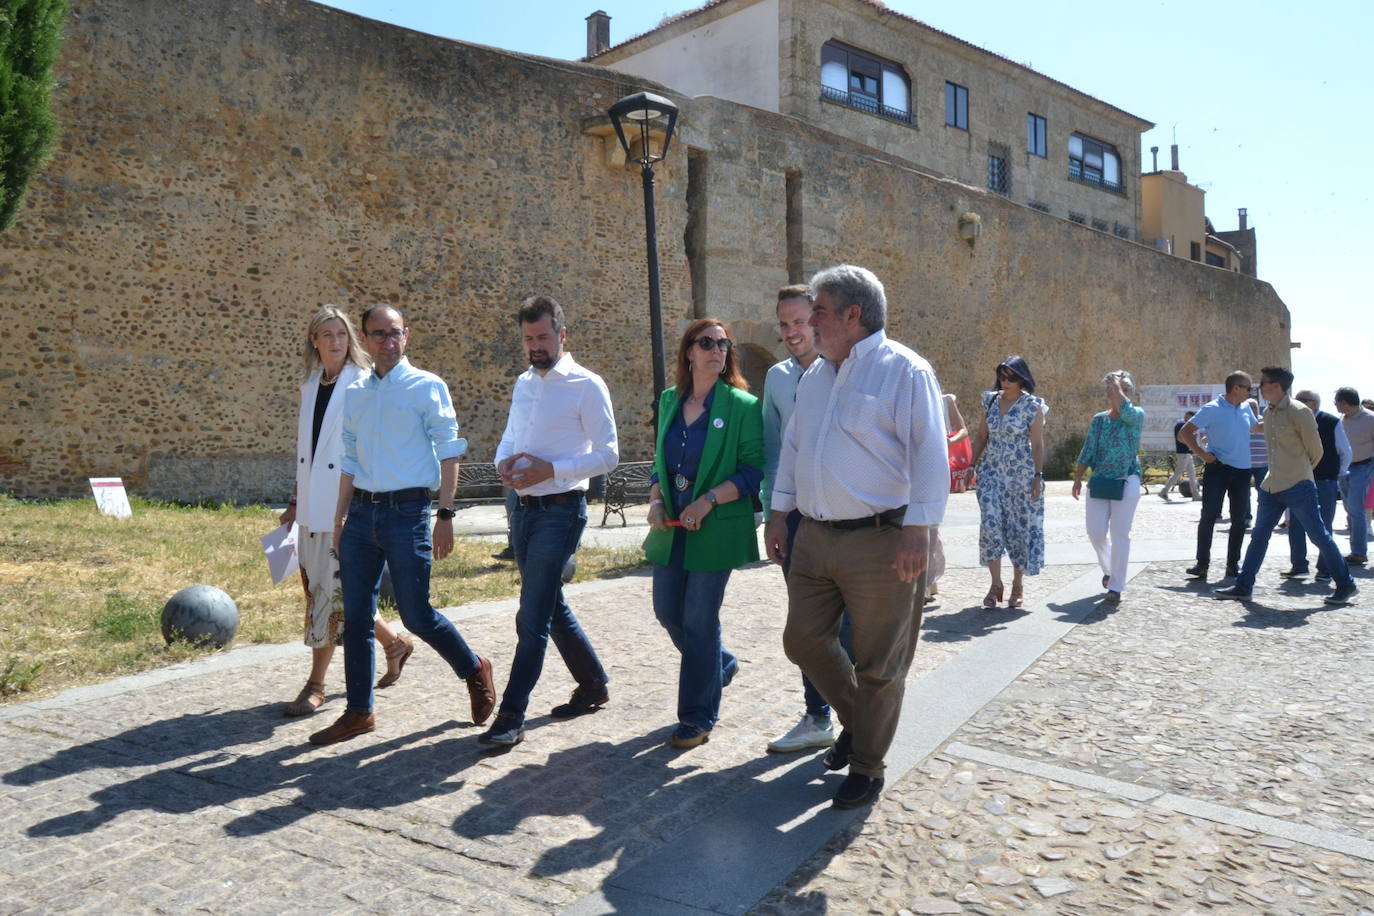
(384, 336)
(714, 343)
(1009, 377)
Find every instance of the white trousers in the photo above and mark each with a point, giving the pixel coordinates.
(1109, 530)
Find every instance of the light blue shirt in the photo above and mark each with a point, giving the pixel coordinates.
(396, 430)
(1228, 430)
(779, 397)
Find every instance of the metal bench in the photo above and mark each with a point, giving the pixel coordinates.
(478, 481)
(627, 485)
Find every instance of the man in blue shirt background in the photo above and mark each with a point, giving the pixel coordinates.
(1227, 420)
(400, 437)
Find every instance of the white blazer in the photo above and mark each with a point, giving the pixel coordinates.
(317, 481)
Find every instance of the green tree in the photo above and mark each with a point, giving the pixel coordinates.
(30, 35)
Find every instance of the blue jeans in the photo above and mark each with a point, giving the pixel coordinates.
(688, 606)
(1297, 534)
(1220, 481)
(815, 703)
(397, 534)
(1353, 488)
(543, 539)
(1300, 500)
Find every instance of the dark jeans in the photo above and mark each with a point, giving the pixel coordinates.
(1327, 496)
(815, 703)
(543, 539)
(1220, 481)
(687, 604)
(1300, 500)
(396, 534)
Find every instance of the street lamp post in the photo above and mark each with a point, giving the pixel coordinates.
(649, 117)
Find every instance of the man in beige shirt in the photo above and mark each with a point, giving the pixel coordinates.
(1295, 447)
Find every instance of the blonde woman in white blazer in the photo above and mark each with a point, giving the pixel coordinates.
(333, 360)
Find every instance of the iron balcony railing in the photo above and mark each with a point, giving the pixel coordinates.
(865, 103)
(1092, 176)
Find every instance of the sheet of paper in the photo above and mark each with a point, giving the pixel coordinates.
(279, 545)
(110, 497)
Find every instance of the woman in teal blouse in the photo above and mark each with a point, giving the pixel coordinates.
(1114, 488)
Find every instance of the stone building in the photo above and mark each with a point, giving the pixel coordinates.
(226, 166)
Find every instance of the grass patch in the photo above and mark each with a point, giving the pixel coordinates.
(81, 594)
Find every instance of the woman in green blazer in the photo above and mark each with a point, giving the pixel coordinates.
(707, 468)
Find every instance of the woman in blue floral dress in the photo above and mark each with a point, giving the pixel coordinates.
(1009, 453)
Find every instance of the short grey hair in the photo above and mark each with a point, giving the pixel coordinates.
(850, 285)
(1308, 395)
(1127, 383)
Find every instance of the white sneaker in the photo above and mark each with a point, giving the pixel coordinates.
(810, 732)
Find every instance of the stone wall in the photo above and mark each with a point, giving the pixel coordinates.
(228, 166)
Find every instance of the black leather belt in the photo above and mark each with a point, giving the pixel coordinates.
(393, 496)
(1357, 464)
(890, 517)
(553, 499)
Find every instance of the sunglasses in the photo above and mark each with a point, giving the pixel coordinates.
(1009, 377)
(714, 343)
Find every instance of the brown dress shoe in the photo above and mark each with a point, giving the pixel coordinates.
(307, 701)
(396, 656)
(482, 691)
(350, 725)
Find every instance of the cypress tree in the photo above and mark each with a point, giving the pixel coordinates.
(30, 35)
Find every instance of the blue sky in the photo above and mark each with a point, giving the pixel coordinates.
(1269, 102)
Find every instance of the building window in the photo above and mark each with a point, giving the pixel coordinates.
(999, 178)
(1120, 231)
(1215, 260)
(862, 81)
(1035, 135)
(1094, 162)
(956, 106)
(1195, 251)
(1077, 218)
(1038, 205)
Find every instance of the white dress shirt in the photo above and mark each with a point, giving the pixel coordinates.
(564, 417)
(866, 439)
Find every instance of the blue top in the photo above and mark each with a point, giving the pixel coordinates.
(1114, 442)
(1228, 430)
(397, 428)
(779, 397)
(682, 450)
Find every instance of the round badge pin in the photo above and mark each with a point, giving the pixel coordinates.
(719, 423)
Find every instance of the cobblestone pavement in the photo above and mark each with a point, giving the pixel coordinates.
(1179, 753)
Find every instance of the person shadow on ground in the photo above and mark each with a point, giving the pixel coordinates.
(967, 623)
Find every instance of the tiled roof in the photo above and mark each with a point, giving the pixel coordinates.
(878, 5)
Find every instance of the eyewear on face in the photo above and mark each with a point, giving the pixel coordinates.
(1008, 377)
(384, 336)
(713, 343)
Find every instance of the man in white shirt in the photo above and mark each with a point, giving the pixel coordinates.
(865, 461)
(559, 434)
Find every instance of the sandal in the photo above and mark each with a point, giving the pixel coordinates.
(1017, 599)
(994, 596)
(397, 653)
(307, 701)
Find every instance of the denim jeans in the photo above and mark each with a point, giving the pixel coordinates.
(1301, 502)
(1354, 486)
(543, 539)
(1297, 534)
(815, 703)
(1220, 481)
(687, 604)
(396, 534)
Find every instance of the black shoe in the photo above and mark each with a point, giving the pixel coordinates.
(1232, 572)
(1196, 572)
(1344, 594)
(506, 554)
(581, 702)
(837, 758)
(1234, 593)
(857, 791)
(1293, 574)
(503, 733)
(1356, 559)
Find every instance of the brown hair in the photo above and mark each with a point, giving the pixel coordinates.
(730, 374)
(795, 291)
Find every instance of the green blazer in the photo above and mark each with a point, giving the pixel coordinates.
(726, 539)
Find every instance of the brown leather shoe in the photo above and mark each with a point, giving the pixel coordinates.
(482, 691)
(350, 725)
(396, 656)
(307, 701)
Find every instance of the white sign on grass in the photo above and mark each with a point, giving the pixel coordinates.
(110, 497)
(1164, 406)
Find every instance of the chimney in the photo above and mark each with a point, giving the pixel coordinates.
(598, 33)
(1244, 219)
(1173, 153)
(1154, 158)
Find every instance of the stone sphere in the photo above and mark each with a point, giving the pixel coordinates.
(386, 592)
(570, 569)
(200, 614)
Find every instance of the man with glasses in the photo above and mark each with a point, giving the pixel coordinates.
(559, 434)
(1326, 475)
(1295, 448)
(1226, 476)
(400, 437)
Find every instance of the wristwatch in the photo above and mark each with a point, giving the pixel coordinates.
(445, 514)
(710, 496)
